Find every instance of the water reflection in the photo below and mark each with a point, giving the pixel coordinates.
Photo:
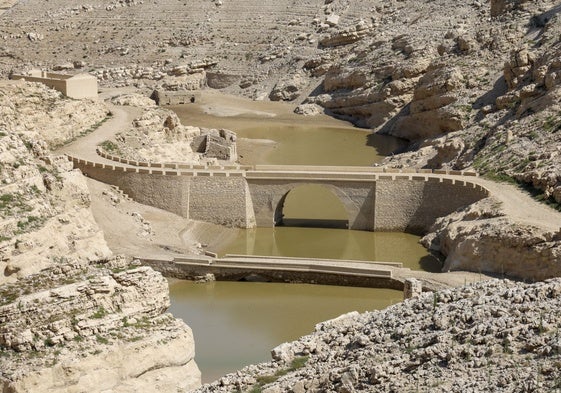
(334, 244)
(236, 324)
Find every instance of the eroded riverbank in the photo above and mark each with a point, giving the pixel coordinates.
(271, 133)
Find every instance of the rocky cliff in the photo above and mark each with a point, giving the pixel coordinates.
(470, 84)
(483, 238)
(40, 193)
(96, 328)
(72, 316)
(496, 335)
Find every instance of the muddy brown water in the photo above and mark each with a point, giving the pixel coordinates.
(236, 324)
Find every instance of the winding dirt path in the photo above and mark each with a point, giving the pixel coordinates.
(85, 147)
(519, 206)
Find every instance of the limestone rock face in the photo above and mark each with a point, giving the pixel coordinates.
(41, 193)
(338, 78)
(37, 112)
(431, 112)
(219, 80)
(137, 100)
(69, 322)
(288, 89)
(345, 36)
(499, 7)
(308, 109)
(480, 238)
(95, 329)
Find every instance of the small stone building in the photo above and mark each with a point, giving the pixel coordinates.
(74, 86)
(219, 144)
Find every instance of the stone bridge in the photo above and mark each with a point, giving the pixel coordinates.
(375, 198)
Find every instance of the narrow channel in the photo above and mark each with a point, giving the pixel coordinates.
(236, 324)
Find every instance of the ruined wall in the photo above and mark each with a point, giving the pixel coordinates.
(57, 84)
(77, 86)
(81, 88)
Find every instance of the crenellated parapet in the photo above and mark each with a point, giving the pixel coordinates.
(375, 198)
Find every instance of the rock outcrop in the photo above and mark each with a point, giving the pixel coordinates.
(498, 334)
(481, 238)
(41, 194)
(431, 112)
(72, 317)
(157, 135)
(93, 328)
(36, 112)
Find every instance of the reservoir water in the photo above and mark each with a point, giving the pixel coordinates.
(236, 324)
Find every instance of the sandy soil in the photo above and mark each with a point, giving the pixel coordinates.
(125, 224)
(6, 4)
(236, 110)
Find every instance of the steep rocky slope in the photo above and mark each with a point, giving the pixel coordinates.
(496, 335)
(471, 83)
(93, 328)
(484, 238)
(41, 194)
(70, 312)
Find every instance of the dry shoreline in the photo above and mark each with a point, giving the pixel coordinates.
(170, 235)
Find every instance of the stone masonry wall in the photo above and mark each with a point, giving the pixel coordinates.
(413, 206)
(217, 199)
(268, 199)
(165, 192)
(393, 203)
(221, 200)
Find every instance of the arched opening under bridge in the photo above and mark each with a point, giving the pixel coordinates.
(313, 206)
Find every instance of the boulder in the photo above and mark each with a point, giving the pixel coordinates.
(288, 89)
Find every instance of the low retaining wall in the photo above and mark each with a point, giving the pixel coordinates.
(194, 268)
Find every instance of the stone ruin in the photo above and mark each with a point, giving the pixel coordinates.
(219, 144)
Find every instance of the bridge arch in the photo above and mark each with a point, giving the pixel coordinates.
(338, 196)
(332, 196)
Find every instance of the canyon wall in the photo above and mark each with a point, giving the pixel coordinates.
(73, 317)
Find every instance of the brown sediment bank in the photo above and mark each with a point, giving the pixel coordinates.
(271, 133)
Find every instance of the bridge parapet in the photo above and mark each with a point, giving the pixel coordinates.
(366, 169)
(375, 198)
(281, 168)
(170, 165)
